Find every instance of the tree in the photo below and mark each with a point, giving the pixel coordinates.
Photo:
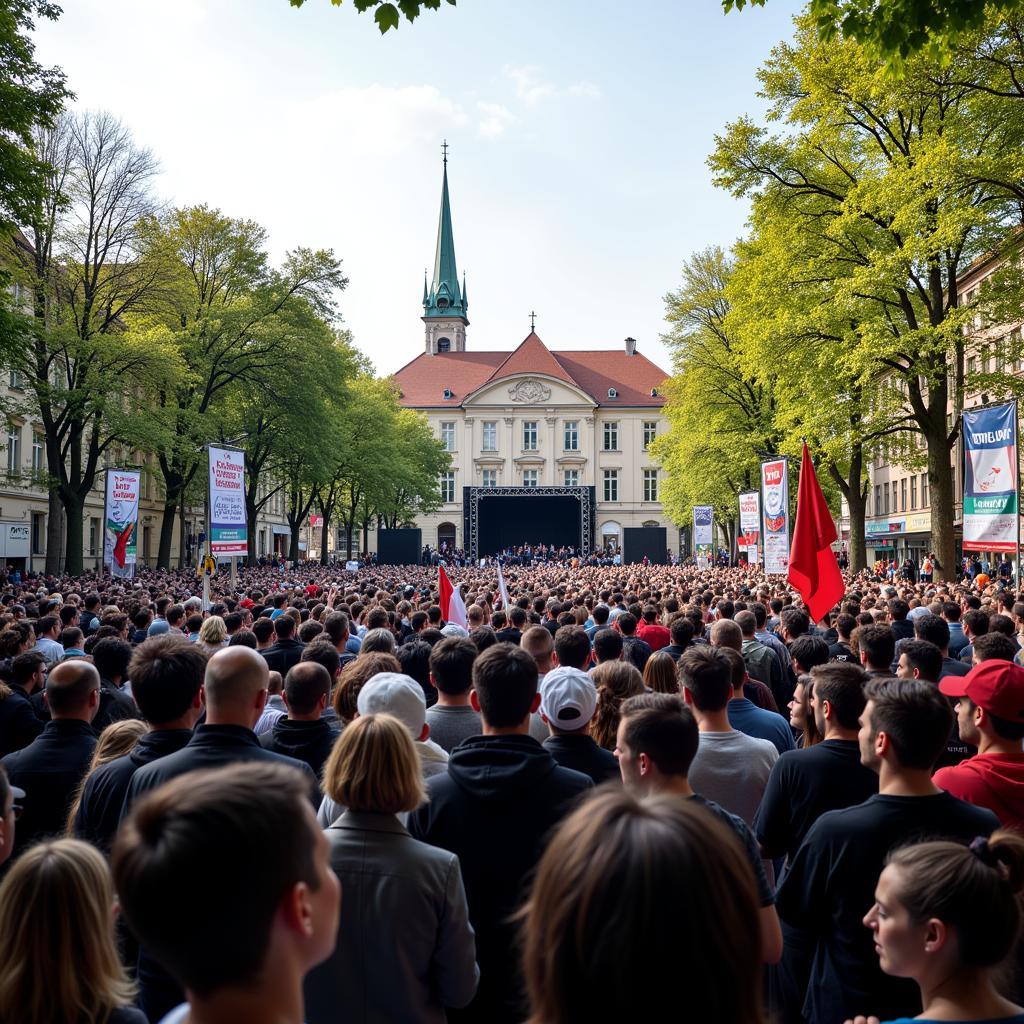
(903, 184)
(385, 14)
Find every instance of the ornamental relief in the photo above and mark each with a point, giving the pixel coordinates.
(529, 392)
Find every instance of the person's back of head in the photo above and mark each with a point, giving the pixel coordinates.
(505, 686)
(727, 633)
(626, 888)
(310, 630)
(323, 653)
(920, 659)
(747, 623)
(660, 728)
(845, 625)
(600, 614)
(24, 667)
(380, 640)
(451, 665)
(284, 627)
(414, 657)
(994, 646)
(681, 631)
(607, 645)
(976, 621)
(167, 673)
(933, 629)
(898, 610)
(517, 616)
(706, 674)
(538, 642)
(336, 627)
(737, 669)
(794, 621)
(111, 657)
(877, 645)
(242, 841)
(1001, 624)
(840, 686)
(808, 651)
(306, 687)
(235, 687)
(908, 723)
(572, 646)
(71, 638)
(55, 909)
(951, 611)
(626, 624)
(73, 690)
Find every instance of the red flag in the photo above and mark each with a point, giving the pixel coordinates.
(813, 570)
(453, 608)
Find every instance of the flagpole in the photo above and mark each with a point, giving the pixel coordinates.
(1016, 452)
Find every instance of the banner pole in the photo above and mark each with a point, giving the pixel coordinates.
(208, 546)
(1016, 455)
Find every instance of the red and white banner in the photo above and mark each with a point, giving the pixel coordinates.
(453, 608)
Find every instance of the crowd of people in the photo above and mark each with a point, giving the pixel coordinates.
(633, 788)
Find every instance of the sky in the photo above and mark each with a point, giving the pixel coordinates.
(578, 135)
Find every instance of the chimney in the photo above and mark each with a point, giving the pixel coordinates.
(631, 346)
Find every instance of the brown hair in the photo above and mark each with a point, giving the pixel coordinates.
(60, 960)
(615, 681)
(115, 741)
(374, 767)
(354, 676)
(627, 886)
(660, 673)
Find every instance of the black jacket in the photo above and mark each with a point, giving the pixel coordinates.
(494, 808)
(49, 769)
(636, 651)
(581, 753)
(510, 635)
(19, 723)
(282, 655)
(115, 705)
(311, 742)
(99, 812)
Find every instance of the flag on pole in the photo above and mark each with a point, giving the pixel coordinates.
(453, 608)
(502, 589)
(813, 569)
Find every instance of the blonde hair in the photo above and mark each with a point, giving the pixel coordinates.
(58, 958)
(615, 681)
(115, 741)
(213, 630)
(374, 767)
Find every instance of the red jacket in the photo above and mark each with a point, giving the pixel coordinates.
(995, 781)
(653, 635)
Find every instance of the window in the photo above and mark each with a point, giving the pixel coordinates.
(94, 533)
(16, 381)
(447, 487)
(611, 437)
(924, 490)
(38, 533)
(38, 455)
(650, 485)
(913, 493)
(490, 478)
(529, 435)
(448, 436)
(972, 365)
(903, 494)
(13, 449)
(885, 498)
(490, 436)
(611, 485)
(572, 478)
(878, 499)
(650, 432)
(444, 344)
(529, 478)
(572, 435)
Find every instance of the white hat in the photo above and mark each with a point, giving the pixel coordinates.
(568, 698)
(394, 693)
(454, 629)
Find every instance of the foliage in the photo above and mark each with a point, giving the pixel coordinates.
(386, 14)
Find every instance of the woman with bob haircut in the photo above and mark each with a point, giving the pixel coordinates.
(949, 916)
(213, 634)
(638, 904)
(406, 949)
(660, 673)
(58, 959)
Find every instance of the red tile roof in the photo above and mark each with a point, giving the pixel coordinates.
(422, 382)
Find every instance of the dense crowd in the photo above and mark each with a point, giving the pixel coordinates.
(635, 792)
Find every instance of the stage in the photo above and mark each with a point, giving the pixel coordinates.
(496, 517)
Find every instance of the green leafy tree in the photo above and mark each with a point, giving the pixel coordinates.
(388, 15)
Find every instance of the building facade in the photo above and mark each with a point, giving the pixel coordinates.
(533, 416)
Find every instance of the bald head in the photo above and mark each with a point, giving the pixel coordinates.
(235, 687)
(73, 690)
(725, 633)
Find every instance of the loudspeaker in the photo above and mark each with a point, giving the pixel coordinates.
(651, 541)
(399, 547)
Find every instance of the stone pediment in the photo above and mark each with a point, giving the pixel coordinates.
(526, 391)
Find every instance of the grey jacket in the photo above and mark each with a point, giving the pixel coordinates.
(405, 947)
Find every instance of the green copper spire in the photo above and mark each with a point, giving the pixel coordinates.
(445, 298)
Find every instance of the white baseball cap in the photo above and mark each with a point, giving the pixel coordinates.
(568, 698)
(395, 693)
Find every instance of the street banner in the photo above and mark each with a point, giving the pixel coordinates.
(703, 534)
(775, 503)
(121, 521)
(228, 529)
(750, 525)
(991, 478)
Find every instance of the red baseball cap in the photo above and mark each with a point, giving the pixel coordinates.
(995, 685)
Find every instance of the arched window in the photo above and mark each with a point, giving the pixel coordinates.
(444, 344)
(611, 534)
(446, 535)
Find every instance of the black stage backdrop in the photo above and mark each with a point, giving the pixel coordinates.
(532, 519)
(651, 541)
(399, 547)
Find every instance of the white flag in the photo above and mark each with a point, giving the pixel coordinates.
(502, 589)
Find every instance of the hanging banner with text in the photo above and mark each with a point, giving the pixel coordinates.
(703, 534)
(121, 521)
(228, 534)
(991, 484)
(775, 502)
(750, 525)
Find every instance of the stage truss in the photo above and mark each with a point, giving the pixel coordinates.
(471, 511)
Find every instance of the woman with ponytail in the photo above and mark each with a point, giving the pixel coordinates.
(949, 917)
(616, 681)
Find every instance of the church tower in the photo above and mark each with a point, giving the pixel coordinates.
(444, 302)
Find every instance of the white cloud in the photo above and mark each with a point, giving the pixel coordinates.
(494, 119)
(530, 88)
(586, 90)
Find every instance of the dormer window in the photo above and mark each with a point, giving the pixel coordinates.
(612, 393)
(448, 394)
(442, 303)
(444, 344)
(654, 392)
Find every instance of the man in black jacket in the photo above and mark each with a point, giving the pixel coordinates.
(50, 768)
(167, 675)
(303, 733)
(494, 807)
(287, 651)
(634, 649)
(19, 723)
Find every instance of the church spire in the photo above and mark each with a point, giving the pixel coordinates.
(444, 302)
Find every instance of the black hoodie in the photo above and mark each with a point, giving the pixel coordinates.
(311, 742)
(494, 808)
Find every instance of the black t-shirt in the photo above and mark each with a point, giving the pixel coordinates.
(803, 785)
(830, 886)
(840, 652)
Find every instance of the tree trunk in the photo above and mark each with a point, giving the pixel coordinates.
(857, 503)
(54, 529)
(940, 486)
(182, 534)
(74, 510)
(325, 527)
(293, 544)
(250, 518)
(163, 557)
